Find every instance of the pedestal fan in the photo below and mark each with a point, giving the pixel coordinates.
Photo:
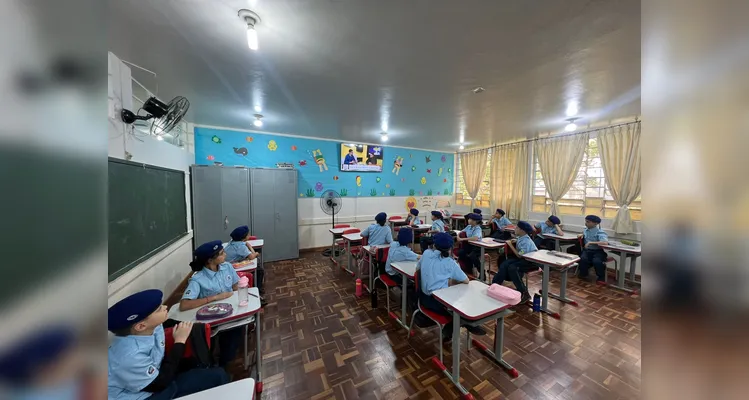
(331, 203)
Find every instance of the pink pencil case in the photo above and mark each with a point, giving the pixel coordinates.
(504, 294)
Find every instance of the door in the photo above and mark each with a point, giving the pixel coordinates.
(287, 223)
(263, 210)
(207, 217)
(235, 199)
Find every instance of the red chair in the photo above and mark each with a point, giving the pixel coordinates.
(339, 243)
(252, 238)
(380, 258)
(169, 341)
(438, 319)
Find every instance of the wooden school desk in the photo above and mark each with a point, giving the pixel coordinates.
(567, 237)
(483, 244)
(625, 252)
(351, 237)
(407, 270)
(241, 316)
(337, 233)
(550, 260)
(470, 304)
(370, 251)
(243, 389)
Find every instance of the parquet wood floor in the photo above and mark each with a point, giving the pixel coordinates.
(321, 342)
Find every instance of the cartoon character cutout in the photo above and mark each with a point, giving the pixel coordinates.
(319, 160)
(397, 164)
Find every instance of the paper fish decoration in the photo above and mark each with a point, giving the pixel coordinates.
(378, 179)
(423, 180)
(210, 158)
(302, 163)
(358, 181)
(413, 168)
(249, 139)
(335, 178)
(439, 171)
(293, 148)
(444, 180)
(387, 185)
(241, 150)
(272, 146)
(216, 139)
(429, 170)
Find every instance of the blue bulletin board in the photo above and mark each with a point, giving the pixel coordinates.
(420, 173)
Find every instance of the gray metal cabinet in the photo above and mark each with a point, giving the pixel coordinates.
(220, 201)
(274, 212)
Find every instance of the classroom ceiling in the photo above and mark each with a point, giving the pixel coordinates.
(346, 69)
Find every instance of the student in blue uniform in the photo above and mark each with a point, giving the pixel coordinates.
(438, 225)
(378, 233)
(138, 368)
(470, 253)
(239, 249)
(592, 253)
(214, 279)
(514, 266)
(350, 158)
(439, 270)
(551, 225)
(499, 222)
(400, 251)
(413, 217)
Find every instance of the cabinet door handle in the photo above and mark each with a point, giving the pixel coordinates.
(226, 222)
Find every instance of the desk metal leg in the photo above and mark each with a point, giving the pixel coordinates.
(371, 273)
(557, 246)
(333, 256)
(545, 293)
(499, 333)
(622, 272)
(258, 356)
(482, 273)
(246, 352)
(349, 262)
(455, 376)
(562, 296)
(632, 268)
(404, 289)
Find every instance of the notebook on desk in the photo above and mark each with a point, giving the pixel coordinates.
(563, 255)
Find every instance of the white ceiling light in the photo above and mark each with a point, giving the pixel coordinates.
(384, 136)
(159, 137)
(251, 19)
(461, 147)
(571, 126)
(572, 109)
(258, 109)
(462, 139)
(258, 120)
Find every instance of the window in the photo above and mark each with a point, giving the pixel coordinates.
(461, 194)
(588, 194)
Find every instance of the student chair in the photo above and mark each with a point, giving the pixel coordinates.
(438, 319)
(339, 246)
(252, 238)
(380, 257)
(169, 341)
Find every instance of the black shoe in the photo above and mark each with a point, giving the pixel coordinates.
(263, 302)
(526, 297)
(476, 330)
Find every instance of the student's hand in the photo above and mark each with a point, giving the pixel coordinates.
(580, 236)
(181, 332)
(588, 244)
(222, 296)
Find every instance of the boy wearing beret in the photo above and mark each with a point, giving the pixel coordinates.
(138, 368)
(513, 268)
(593, 236)
(470, 253)
(378, 233)
(239, 249)
(551, 225)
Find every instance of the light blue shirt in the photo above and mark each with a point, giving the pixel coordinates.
(545, 228)
(500, 223)
(437, 271)
(236, 251)
(397, 253)
(438, 225)
(411, 220)
(472, 231)
(525, 245)
(134, 363)
(206, 283)
(378, 235)
(594, 235)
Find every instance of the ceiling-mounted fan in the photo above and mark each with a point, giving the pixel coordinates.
(165, 116)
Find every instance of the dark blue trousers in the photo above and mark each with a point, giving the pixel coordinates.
(547, 244)
(595, 258)
(513, 269)
(193, 381)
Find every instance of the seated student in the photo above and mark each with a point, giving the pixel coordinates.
(470, 253)
(413, 218)
(551, 225)
(439, 270)
(593, 236)
(438, 225)
(514, 266)
(138, 368)
(399, 251)
(214, 279)
(499, 222)
(239, 249)
(378, 233)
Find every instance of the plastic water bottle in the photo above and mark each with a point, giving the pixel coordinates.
(358, 288)
(536, 302)
(244, 297)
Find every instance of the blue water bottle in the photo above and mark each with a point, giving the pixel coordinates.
(536, 302)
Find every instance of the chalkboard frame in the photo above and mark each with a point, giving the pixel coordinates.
(153, 252)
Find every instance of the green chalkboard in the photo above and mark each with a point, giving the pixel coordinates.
(147, 212)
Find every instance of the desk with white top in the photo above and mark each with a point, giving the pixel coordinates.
(484, 244)
(337, 233)
(348, 238)
(624, 252)
(567, 237)
(243, 389)
(470, 304)
(241, 316)
(561, 261)
(407, 270)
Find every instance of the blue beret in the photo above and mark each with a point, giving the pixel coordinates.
(474, 216)
(477, 211)
(414, 211)
(525, 227)
(207, 250)
(443, 241)
(133, 309)
(437, 214)
(593, 218)
(381, 217)
(22, 361)
(240, 232)
(405, 236)
(500, 211)
(555, 220)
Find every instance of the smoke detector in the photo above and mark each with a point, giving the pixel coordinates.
(477, 89)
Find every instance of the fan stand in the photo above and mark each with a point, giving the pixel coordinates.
(327, 252)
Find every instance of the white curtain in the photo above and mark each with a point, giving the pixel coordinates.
(620, 157)
(559, 160)
(510, 183)
(473, 168)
